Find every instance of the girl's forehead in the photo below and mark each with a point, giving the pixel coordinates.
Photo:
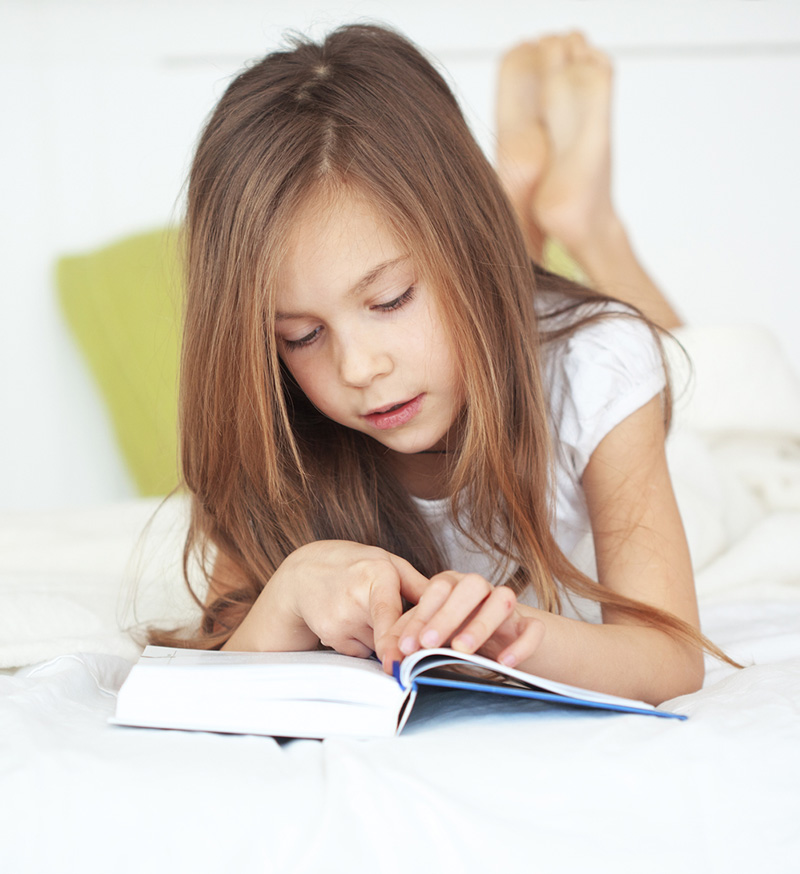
(335, 241)
(340, 211)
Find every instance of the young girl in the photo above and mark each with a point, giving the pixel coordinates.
(395, 426)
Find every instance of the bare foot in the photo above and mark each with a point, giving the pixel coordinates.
(521, 139)
(572, 199)
(554, 159)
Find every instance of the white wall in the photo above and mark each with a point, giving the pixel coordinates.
(102, 101)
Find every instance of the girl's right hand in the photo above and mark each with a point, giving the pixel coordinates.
(342, 594)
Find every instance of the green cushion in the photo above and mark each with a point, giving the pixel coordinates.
(123, 305)
(558, 260)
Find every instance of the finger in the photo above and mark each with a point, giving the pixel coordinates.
(492, 613)
(352, 647)
(412, 582)
(526, 643)
(352, 641)
(385, 605)
(387, 647)
(435, 596)
(466, 596)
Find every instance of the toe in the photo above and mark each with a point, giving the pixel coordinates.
(552, 53)
(576, 48)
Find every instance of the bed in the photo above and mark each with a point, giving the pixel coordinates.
(468, 787)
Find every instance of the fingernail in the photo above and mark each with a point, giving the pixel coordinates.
(408, 645)
(464, 642)
(509, 660)
(430, 638)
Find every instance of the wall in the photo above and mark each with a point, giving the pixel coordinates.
(102, 103)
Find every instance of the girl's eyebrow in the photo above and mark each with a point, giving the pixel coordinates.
(366, 280)
(375, 274)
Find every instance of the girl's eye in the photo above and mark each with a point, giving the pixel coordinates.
(303, 341)
(397, 302)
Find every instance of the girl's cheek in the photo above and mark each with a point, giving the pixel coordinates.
(312, 380)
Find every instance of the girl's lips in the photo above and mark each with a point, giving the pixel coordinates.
(396, 416)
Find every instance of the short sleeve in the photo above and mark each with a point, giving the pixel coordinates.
(598, 376)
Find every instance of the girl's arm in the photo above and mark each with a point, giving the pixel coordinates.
(641, 553)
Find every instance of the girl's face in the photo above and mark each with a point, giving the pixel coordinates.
(361, 334)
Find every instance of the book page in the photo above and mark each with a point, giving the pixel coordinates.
(423, 661)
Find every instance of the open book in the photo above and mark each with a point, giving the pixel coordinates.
(318, 694)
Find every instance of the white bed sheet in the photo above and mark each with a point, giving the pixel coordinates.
(468, 787)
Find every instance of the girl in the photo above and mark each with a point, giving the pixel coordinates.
(395, 426)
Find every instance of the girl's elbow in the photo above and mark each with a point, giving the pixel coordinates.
(693, 676)
(687, 676)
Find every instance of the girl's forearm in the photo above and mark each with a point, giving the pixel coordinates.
(633, 661)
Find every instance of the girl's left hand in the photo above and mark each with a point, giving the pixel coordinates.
(470, 614)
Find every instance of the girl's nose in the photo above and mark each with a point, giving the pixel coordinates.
(361, 361)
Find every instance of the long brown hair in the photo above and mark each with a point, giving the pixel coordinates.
(364, 112)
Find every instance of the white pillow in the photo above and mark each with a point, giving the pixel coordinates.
(78, 580)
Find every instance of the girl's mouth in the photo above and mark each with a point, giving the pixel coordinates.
(396, 415)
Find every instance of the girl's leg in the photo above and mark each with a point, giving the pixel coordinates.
(554, 158)
(521, 138)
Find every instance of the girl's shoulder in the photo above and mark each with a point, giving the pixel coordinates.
(600, 363)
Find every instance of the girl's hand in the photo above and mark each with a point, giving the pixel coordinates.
(469, 613)
(341, 594)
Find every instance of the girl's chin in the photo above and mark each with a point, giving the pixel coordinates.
(436, 448)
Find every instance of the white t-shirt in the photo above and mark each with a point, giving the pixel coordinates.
(594, 379)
